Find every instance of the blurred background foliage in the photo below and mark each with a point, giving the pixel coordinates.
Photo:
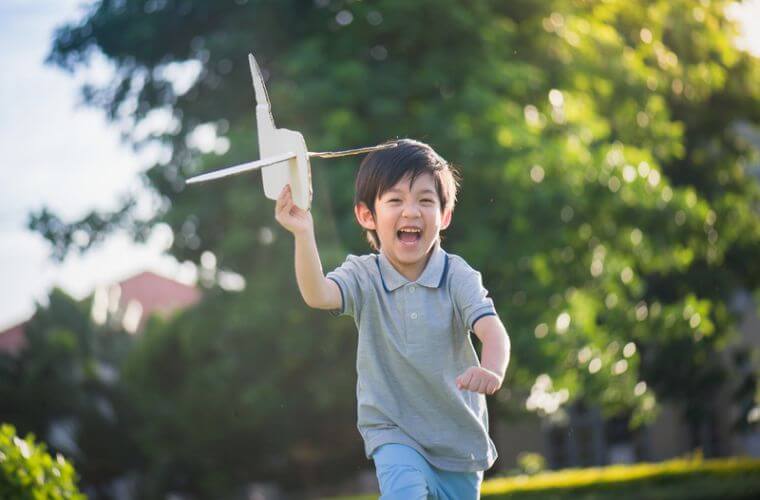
(608, 199)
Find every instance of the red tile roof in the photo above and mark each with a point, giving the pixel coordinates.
(12, 340)
(157, 294)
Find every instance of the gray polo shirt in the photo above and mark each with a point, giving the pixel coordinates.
(413, 343)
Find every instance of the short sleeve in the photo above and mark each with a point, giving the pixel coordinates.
(470, 297)
(347, 277)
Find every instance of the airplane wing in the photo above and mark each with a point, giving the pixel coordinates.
(238, 169)
(350, 152)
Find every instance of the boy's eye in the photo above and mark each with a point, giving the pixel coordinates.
(428, 200)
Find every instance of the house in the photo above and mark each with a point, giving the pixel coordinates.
(127, 303)
(131, 302)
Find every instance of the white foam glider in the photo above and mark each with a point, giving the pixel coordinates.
(284, 157)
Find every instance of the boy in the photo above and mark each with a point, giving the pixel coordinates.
(420, 389)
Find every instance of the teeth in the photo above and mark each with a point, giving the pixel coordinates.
(409, 230)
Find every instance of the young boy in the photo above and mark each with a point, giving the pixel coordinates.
(421, 389)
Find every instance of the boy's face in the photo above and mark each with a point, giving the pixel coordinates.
(407, 219)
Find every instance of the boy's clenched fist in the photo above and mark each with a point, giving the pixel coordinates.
(479, 379)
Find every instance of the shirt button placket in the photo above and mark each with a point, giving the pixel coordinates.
(415, 314)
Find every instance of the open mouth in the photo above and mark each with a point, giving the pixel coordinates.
(409, 235)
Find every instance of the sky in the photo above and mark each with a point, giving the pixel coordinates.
(67, 157)
(60, 154)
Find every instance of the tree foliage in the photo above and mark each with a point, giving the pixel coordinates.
(66, 379)
(222, 403)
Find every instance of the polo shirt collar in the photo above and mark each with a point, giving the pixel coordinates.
(432, 276)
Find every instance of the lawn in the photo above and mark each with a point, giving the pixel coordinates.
(726, 479)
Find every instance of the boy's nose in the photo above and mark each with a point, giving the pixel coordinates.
(411, 211)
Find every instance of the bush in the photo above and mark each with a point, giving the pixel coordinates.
(27, 471)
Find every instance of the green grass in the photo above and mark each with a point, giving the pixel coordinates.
(724, 479)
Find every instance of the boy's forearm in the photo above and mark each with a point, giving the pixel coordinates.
(309, 275)
(496, 349)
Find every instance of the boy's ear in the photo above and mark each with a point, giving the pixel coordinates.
(446, 218)
(364, 216)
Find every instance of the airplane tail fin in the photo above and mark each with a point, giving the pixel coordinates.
(264, 119)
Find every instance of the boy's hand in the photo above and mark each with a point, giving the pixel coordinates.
(290, 216)
(479, 379)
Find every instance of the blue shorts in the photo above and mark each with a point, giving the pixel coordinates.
(404, 474)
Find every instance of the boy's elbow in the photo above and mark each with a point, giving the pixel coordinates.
(312, 302)
(328, 297)
(322, 302)
(323, 306)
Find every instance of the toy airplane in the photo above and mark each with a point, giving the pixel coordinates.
(284, 157)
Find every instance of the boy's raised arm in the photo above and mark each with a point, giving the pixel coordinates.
(317, 291)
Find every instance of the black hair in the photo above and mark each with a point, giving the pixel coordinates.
(382, 169)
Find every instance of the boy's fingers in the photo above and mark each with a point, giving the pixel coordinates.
(466, 378)
(280, 201)
(286, 204)
(284, 194)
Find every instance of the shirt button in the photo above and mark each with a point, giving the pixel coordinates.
(411, 289)
(414, 315)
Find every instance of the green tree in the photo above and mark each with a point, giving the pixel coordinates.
(606, 197)
(67, 378)
(260, 395)
(38, 385)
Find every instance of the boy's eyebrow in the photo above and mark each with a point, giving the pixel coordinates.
(399, 191)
